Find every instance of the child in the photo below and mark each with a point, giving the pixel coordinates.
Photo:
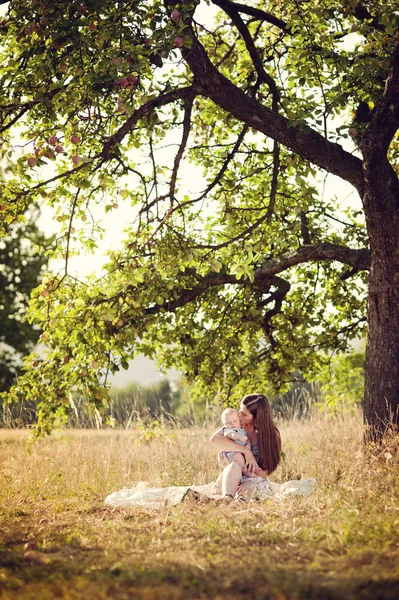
(233, 430)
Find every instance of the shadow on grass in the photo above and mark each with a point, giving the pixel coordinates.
(83, 575)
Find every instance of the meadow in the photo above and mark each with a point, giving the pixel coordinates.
(58, 540)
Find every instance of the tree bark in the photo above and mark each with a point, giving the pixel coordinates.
(381, 204)
(381, 394)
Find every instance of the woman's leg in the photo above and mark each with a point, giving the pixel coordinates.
(229, 479)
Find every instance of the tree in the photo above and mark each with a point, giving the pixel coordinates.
(20, 273)
(260, 273)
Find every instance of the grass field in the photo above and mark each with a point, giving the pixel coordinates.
(58, 540)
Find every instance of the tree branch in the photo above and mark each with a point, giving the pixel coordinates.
(324, 251)
(273, 188)
(363, 14)
(263, 76)
(265, 276)
(224, 167)
(161, 100)
(304, 141)
(283, 287)
(259, 14)
(385, 123)
(188, 105)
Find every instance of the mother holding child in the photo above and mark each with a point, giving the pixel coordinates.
(250, 447)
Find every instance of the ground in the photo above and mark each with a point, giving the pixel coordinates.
(59, 540)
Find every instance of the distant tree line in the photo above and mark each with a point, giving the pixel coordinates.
(340, 390)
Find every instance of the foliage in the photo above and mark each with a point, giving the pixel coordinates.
(127, 406)
(154, 430)
(299, 401)
(20, 272)
(244, 279)
(343, 382)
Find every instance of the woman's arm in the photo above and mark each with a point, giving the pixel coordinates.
(227, 445)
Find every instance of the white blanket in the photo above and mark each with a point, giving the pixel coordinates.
(145, 496)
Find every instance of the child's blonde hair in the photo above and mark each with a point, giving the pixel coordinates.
(227, 412)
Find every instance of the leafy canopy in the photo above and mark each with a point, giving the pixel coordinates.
(243, 278)
(20, 272)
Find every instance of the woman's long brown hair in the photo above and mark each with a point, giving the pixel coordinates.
(269, 440)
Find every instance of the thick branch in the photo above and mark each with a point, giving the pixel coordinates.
(325, 251)
(306, 142)
(267, 272)
(14, 120)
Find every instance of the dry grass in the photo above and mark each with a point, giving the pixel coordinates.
(341, 542)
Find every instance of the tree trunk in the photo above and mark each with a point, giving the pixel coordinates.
(381, 394)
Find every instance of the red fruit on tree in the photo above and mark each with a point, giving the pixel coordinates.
(75, 139)
(58, 149)
(53, 140)
(132, 79)
(179, 42)
(32, 162)
(175, 16)
(76, 159)
(123, 82)
(57, 44)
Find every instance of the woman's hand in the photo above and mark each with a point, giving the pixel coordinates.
(251, 466)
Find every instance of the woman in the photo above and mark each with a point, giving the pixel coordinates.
(245, 482)
(260, 461)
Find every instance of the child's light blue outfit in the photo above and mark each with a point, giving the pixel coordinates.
(241, 431)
